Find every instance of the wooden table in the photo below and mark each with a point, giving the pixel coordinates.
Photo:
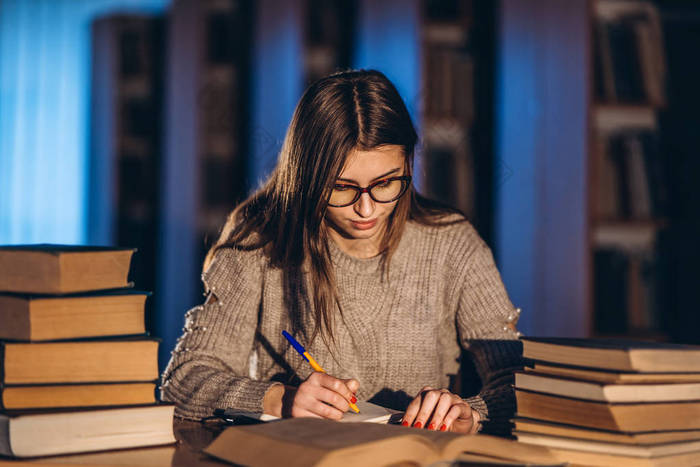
(191, 437)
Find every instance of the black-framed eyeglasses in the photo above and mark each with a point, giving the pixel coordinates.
(381, 191)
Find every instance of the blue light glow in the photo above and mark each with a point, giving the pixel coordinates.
(44, 103)
(388, 40)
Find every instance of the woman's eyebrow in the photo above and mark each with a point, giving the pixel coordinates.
(374, 179)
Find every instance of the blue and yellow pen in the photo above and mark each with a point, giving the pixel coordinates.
(299, 348)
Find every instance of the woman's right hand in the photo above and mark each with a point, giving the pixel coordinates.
(320, 396)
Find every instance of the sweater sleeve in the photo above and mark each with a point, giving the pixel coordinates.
(486, 323)
(209, 365)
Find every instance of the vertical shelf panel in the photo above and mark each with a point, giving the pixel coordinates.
(178, 258)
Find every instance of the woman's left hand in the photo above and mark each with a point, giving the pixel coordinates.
(439, 409)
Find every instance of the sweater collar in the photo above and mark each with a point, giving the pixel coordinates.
(347, 262)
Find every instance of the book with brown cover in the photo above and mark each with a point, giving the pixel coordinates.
(569, 431)
(595, 391)
(655, 416)
(54, 317)
(30, 434)
(60, 269)
(613, 354)
(300, 442)
(581, 458)
(610, 376)
(649, 451)
(98, 361)
(43, 396)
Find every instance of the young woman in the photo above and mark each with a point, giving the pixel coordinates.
(382, 287)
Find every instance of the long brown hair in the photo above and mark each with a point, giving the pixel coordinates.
(358, 109)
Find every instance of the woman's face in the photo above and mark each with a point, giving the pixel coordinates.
(366, 219)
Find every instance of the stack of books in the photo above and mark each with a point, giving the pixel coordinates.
(611, 402)
(78, 371)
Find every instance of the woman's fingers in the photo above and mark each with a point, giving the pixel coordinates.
(353, 385)
(333, 399)
(459, 418)
(445, 402)
(439, 409)
(322, 395)
(334, 384)
(430, 400)
(409, 416)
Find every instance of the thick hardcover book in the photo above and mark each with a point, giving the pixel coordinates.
(648, 451)
(570, 431)
(99, 361)
(72, 431)
(627, 417)
(45, 396)
(318, 442)
(614, 354)
(595, 391)
(60, 269)
(55, 317)
(578, 457)
(612, 377)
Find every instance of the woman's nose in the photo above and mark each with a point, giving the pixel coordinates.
(364, 207)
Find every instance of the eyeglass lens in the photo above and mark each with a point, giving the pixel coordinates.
(383, 192)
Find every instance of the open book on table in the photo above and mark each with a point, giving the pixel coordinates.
(300, 442)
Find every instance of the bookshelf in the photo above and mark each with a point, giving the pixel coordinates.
(456, 61)
(456, 98)
(329, 27)
(628, 173)
(126, 116)
(223, 113)
(448, 103)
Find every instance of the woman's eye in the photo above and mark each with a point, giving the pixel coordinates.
(341, 188)
(383, 183)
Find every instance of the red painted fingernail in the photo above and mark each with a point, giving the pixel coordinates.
(404, 423)
(431, 426)
(354, 399)
(418, 425)
(443, 427)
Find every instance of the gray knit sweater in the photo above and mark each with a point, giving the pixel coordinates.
(396, 335)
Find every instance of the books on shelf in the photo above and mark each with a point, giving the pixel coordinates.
(611, 402)
(77, 368)
(47, 433)
(308, 441)
(631, 176)
(628, 54)
(53, 317)
(638, 185)
(60, 269)
(628, 285)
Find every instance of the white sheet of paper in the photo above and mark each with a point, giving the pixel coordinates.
(369, 412)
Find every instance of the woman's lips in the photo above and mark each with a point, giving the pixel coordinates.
(364, 225)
